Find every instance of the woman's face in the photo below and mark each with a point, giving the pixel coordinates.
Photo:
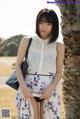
(45, 29)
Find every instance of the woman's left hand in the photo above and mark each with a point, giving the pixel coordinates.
(46, 94)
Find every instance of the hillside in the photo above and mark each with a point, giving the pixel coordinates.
(9, 47)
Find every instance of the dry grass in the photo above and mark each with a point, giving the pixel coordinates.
(62, 105)
(7, 95)
(5, 70)
(6, 65)
(8, 58)
(7, 100)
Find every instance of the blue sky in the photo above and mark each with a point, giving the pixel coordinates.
(18, 16)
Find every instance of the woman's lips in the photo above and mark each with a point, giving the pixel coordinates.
(43, 31)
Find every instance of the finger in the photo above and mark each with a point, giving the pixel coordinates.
(42, 92)
(47, 98)
(32, 96)
(41, 97)
(30, 90)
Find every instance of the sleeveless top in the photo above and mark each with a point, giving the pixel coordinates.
(42, 56)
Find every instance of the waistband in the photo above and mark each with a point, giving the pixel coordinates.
(41, 74)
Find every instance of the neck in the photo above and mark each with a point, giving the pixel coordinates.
(44, 37)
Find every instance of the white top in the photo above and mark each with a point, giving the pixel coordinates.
(42, 56)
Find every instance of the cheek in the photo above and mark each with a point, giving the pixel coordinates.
(40, 26)
(50, 29)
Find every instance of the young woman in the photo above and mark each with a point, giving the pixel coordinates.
(45, 63)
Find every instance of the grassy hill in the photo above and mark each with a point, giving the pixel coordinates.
(9, 47)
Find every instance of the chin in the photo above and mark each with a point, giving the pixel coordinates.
(44, 36)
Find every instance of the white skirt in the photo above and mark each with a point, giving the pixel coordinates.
(38, 83)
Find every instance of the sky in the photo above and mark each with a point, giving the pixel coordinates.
(19, 16)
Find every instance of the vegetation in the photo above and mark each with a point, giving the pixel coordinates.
(2, 43)
(9, 47)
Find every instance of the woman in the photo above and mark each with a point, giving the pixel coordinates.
(45, 60)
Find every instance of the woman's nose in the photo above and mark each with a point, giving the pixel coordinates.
(44, 26)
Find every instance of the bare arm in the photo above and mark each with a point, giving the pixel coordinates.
(59, 65)
(20, 56)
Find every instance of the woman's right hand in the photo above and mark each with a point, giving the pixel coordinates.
(27, 93)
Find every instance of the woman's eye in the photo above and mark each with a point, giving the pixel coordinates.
(41, 22)
(49, 24)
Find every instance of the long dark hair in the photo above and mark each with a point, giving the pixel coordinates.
(49, 16)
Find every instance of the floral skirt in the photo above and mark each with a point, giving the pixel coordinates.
(38, 83)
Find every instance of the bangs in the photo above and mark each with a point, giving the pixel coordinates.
(46, 17)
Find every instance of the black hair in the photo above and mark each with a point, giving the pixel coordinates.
(48, 15)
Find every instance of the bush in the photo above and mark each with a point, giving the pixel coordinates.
(10, 46)
(12, 49)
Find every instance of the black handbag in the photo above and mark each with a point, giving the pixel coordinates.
(12, 79)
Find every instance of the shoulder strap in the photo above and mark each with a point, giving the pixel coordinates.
(29, 43)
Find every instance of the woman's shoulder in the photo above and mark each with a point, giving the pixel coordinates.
(25, 39)
(60, 46)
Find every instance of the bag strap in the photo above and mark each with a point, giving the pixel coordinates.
(29, 43)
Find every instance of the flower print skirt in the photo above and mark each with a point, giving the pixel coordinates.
(38, 83)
